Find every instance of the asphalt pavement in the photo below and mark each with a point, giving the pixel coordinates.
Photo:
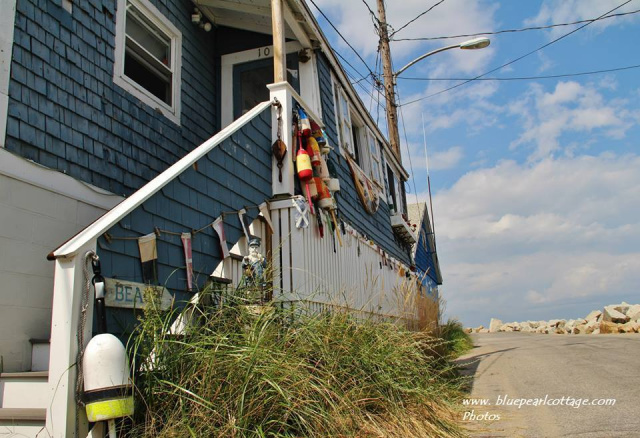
(529, 385)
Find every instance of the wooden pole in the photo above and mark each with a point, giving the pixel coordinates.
(279, 52)
(389, 92)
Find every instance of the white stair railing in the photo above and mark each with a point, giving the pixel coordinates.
(68, 282)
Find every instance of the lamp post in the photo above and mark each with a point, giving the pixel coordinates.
(474, 44)
(390, 77)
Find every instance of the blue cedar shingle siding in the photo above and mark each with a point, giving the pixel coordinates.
(424, 253)
(66, 113)
(378, 225)
(235, 174)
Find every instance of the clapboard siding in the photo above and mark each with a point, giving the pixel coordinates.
(235, 174)
(376, 226)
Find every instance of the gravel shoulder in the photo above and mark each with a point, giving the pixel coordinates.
(535, 367)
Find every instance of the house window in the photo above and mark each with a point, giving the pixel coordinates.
(148, 56)
(396, 194)
(374, 155)
(344, 120)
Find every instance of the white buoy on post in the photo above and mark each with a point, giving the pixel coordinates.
(108, 392)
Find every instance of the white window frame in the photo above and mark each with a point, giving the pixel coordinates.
(374, 156)
(345, 124)
(228, 61)
(151, 13)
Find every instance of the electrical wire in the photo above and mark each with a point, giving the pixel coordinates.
(517, 59)
(373, 86)
(524, 29)
(406, 142)
(414, 19)
(527, 78)
(375, 17)
(341, 36)
(361, 78)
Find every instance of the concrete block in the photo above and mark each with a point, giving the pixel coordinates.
(17, 224)
(50, 233)
(42, 201)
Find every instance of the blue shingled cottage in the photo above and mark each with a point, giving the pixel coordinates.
(139, 133)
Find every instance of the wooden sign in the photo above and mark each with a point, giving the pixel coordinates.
(130, 295)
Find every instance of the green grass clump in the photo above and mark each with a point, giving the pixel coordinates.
(458, 341)
(284, 373)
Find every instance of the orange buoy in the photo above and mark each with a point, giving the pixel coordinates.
(324, 196)
(303, 164)
(314, 151)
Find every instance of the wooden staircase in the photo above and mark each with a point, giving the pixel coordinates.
(23, 403)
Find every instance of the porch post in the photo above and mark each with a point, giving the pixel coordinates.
(282, 92)
(67, 294)
(279, 52)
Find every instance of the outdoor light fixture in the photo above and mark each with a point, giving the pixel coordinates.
(196, 16)
(476, 43)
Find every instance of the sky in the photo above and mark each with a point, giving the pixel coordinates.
(535, 183)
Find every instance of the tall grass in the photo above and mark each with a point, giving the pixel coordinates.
(246, 371)
(459, 342)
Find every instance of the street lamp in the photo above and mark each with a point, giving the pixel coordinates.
(476, 43)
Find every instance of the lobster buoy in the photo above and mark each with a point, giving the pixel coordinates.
(303, 164)
(314, 151)
(324, 196)
(305, 125)
(305, 172)
(108, 393)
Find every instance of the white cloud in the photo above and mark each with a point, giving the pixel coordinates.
(565, 11)
(519, 240)
(570, 107)
(451, 17)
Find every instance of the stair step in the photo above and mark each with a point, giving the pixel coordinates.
(25, 375)
(220, 280)
(18, 390)
(40, 352)
(18, 415)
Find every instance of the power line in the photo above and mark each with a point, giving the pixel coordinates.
(525, 78)
(414, 19)
(370, 11)
(406, 143)
(343, 38)
(517, 30)
(517, 59)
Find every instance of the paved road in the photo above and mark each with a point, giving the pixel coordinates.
(534, 366)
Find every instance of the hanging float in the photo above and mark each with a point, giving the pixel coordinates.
(367, 190)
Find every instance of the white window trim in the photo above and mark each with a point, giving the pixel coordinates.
(380, 180)
(346, 144)
(226, 75)
(172, 112)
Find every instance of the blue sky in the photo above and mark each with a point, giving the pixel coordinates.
(536, 183)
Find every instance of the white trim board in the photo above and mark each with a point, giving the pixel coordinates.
(40, 176)
(7, 23)
(226, 74)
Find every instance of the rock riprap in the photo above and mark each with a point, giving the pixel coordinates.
(615, 318)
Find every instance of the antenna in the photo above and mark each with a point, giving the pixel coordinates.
(426, 154)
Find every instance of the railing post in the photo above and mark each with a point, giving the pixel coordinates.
(67, 295)
(282, 92)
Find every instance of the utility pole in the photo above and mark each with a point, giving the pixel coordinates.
(389, 91)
